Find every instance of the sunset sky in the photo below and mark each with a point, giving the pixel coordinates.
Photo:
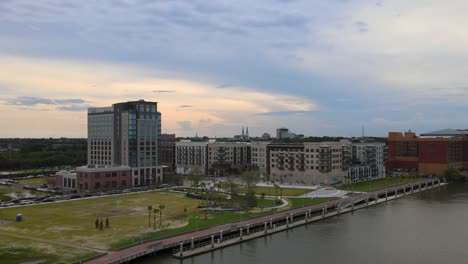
(317, 67)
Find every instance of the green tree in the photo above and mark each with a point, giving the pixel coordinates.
(101, 225)
(250, 200)
(149, 214)
(161, 208)
(96, 223)
(453, 174)
(107, 222)
(233, 190)
(263, 199)
(249, 179)
(195, 177)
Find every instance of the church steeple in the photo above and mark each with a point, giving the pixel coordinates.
(243, 134)
(247, 133)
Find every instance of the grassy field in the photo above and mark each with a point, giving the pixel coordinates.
(15, 250)
(270, 191)
(74, 221)
(19, 193)
(300, 202)
(196, 221)
(266, 202)
(37, 181)
(377, 184)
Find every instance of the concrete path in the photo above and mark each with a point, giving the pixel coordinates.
(325, 192)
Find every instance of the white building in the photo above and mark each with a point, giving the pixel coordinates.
(366, 161)
(259, 156)
(190, 155)
(307, 163)
(65, 179)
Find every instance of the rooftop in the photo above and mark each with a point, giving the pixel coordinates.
(447, 133)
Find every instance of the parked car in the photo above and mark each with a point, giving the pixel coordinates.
(75, 196)
(26, 202)
(7, 204)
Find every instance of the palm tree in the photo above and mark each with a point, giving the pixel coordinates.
(149, 214)
(161, 208)
(263, 199)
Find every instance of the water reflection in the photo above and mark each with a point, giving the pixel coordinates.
(428, 227)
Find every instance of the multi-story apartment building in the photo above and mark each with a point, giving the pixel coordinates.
(101, 136)
(167, 151)
(228, 157)
(190, 155)
(431, 153)
(366, 161)
(307, 163)
(259, 157)
(126, 134)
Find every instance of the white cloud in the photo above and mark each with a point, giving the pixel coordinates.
(101, 84)
(412, 47)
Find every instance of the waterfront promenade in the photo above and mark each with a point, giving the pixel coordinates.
(185, 244)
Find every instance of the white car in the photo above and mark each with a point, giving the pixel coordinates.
(7, 204)
(26, 202)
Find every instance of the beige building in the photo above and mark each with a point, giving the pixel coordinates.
(259, 156)
(228, 157)
(100, 136)
(307, 163)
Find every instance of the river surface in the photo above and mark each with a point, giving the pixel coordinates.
(428, 227)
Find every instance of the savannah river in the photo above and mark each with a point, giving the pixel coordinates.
(428, 227)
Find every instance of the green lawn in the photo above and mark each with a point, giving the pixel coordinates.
(300, 202)
(196, 221)
(37, 181)
(377, 184)
(266, 202)
(20, 193)
(74, 221)
(21, 250)
(4, 190)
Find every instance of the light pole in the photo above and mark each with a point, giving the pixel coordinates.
(141, 231)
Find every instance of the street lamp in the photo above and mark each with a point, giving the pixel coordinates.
(141, 231)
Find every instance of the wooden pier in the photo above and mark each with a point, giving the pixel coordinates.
(202, 241)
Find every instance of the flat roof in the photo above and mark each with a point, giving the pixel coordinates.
(447, 133)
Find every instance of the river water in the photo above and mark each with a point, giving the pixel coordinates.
(428, 227)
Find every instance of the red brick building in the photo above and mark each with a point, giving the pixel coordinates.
(102, 178)
(431, 153)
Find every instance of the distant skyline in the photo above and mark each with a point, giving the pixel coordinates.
(316, 67)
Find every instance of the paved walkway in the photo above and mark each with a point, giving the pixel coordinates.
(176, 239)
(325, 192)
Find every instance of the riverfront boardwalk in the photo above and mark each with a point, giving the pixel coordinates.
(210, 238)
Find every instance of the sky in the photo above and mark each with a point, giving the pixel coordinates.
(317, 67)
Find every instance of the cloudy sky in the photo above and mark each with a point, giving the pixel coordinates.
(317, 67)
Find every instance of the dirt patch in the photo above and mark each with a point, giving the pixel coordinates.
(4, 222)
